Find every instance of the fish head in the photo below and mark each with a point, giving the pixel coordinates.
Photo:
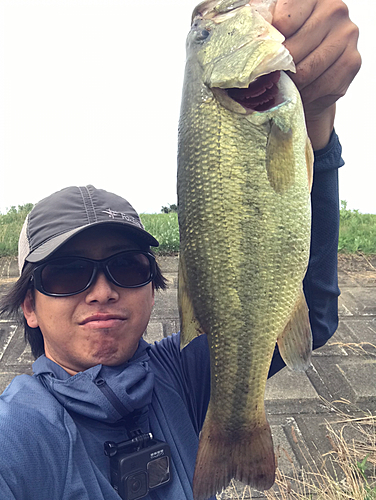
(241, 55)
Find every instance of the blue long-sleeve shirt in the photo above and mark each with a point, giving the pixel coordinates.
(54, 425)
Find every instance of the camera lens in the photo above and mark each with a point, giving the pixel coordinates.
(136, 485)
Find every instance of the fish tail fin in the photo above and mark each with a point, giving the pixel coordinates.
(246, 455)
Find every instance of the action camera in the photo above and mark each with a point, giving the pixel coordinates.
(138, 466)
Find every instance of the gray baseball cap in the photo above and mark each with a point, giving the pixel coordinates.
(62, 215)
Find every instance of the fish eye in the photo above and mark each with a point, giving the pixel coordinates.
(202, 35)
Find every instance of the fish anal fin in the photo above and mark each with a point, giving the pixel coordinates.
(309, 159)
(246, 455)
(295, 342)
(280, 164)
(190, 327)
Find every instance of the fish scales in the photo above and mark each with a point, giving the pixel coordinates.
(226, 237)
(244, 248)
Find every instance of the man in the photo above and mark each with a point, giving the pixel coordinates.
(87, 290)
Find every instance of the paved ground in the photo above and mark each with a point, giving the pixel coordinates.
(298, 406)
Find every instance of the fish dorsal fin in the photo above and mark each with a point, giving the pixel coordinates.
(280, 162)
(295, 342)
(190, 328)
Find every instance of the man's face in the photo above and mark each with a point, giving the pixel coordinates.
(103, 324)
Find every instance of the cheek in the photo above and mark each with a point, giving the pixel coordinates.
(144, 304)
(53, 314)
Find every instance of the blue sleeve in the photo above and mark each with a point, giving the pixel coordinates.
(321, 280)
(187, 371)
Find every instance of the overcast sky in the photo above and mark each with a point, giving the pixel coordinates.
(90, 94)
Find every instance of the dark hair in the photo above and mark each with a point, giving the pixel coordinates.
(10, 304)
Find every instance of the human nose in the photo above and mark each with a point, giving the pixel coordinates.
(101, 290)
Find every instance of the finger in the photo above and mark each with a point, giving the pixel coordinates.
(335, 61)
(325, 19)
(332, 84)
(290, 15)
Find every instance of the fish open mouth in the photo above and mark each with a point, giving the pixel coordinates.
(260, 95)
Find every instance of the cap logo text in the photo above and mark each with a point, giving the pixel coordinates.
(121, 215)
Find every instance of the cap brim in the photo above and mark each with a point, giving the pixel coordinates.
(51, 246)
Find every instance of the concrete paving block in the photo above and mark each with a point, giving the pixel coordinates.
(154, 332)
(348, 305)
(360, 375)
(362, 330)
(26, 358)
(308, 457)
(328, 380)
(286, 458)
(6, 378)
(172, 280)
(166, 305)
(16, 349)
(287, 385)
(334, 347)
(171, 326)
(169, 263)
(367, 300)
(7, 331)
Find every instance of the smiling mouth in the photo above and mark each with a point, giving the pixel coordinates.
(261, 95)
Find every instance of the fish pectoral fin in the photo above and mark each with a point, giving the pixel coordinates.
(295, 342)
(280, 164)
(190, 327)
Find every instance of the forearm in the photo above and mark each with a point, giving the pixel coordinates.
(320, 128)
(321, 281)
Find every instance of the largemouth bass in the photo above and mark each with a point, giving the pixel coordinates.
(244, 177)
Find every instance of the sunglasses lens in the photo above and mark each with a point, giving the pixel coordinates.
(130, 269)
(64, 276)
(71, 275)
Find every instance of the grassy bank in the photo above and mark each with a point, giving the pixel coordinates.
(357, 231)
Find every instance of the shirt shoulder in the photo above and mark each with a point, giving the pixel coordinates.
(32, 422)
(26, 398)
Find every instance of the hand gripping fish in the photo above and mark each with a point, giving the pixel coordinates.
(244, 179)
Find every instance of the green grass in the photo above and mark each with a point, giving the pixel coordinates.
(357, 231)
(165, 228)
(10, 228)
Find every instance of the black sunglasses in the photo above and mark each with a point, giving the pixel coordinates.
(65, 276)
